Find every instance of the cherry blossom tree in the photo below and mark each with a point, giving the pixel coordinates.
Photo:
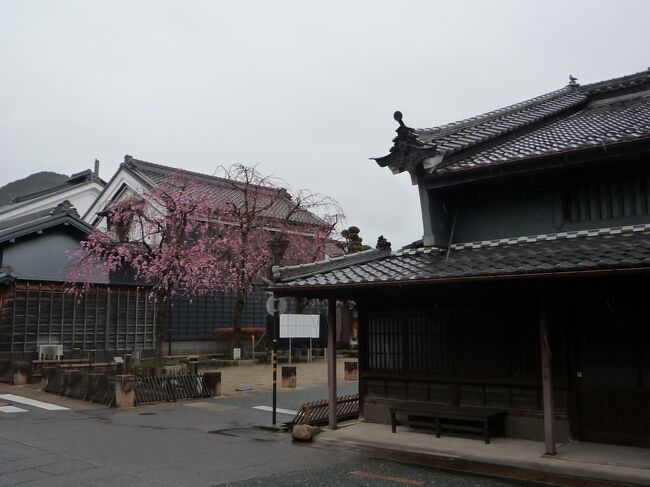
(166, 238)
(185, 237)
(258, 208)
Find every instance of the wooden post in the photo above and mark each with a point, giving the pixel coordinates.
(362, 357)
(547, 376)
(331, 360)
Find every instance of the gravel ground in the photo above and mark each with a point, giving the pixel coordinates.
(259, 376)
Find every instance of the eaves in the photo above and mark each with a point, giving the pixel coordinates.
(285, 290)
(570, 158)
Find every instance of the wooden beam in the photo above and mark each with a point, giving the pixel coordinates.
(362, 358)
(331, 360)
(547, 376)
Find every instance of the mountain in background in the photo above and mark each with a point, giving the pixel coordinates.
(31, 184)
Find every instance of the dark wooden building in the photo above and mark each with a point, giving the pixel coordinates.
(529, 289)
(37, 309)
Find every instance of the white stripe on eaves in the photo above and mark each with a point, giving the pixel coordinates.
(12, 409)
(278, 410)
(31, 402)
(642, 227)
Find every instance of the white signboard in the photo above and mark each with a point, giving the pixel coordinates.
(299, 326)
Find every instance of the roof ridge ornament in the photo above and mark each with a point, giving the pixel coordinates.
(128, 160)
(406, 137)
(65, 207)
(573, 81)
(382, 243)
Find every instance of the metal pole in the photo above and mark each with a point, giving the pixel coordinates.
(289, 351)
(274, 355)
(331, 361)
(309, 355)
(169, 329)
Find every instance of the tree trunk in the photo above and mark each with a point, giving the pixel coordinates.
(161, 327)
(240, 300)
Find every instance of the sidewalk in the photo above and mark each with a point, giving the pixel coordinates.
(611, 463)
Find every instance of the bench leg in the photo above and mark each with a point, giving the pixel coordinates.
(393, 422)
(486, 431)
(437, 427)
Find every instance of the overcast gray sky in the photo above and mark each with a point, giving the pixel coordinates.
(305, 89)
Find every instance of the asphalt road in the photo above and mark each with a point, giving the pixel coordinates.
(369, 472)
(198, 443)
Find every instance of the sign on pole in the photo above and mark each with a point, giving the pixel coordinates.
(282, 305)
(299, 326)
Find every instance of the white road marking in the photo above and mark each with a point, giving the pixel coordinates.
(31, 402)
(12, 409)
(279, 410)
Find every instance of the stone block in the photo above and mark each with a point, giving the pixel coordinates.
(212, 381)
(22, 373)
(125, 391)
(289, 373)
(351, 370)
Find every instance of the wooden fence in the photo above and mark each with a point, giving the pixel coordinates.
(316, 413)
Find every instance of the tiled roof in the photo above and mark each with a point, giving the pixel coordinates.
(62, 214)
(604, 249)
(595, 124)
(224, 190)
(572, 118)
(457, 136)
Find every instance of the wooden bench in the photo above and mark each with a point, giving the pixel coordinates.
(441, 414)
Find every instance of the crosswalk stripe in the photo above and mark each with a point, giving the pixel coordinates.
(12, 409)
(31, 402)
(278, 410)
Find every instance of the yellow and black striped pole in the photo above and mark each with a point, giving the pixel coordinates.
(274, 354)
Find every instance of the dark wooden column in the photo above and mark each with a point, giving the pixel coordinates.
(361, 354)
(547, 376)
(331, 360)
